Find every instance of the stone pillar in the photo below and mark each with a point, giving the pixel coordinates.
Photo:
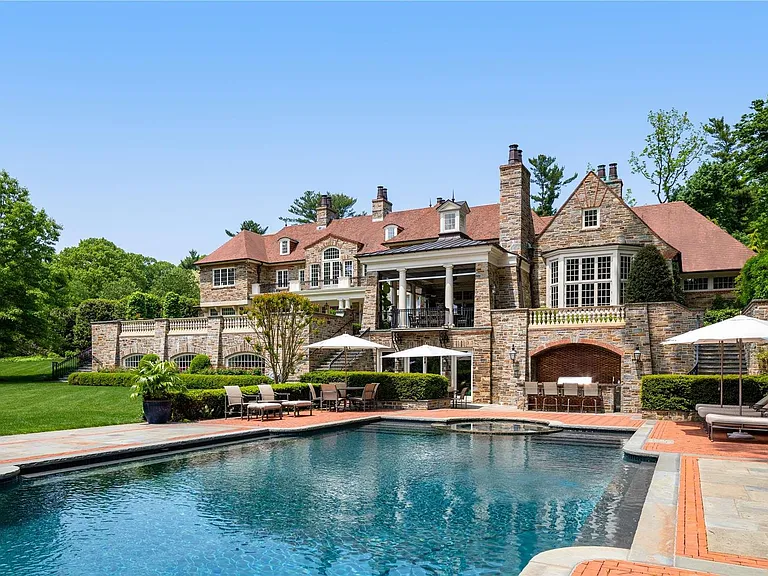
(213, 340)
(105, 338)
(449, 293)
(402, 302)
(371, 301)
(160, 345)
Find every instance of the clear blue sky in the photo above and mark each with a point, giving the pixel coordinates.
(158, 125)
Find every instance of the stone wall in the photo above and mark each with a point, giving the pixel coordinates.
(347, 251)
(370, 301)
(703, 300)
(482, 295)
(510, 329)
(515, 219)
(246, 274)
(757, 309)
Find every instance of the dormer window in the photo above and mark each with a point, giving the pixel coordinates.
(285, 246)
(390, 232)
(449, 222)
(590, 218)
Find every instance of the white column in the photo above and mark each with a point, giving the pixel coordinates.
(402, 303)
(449, 293)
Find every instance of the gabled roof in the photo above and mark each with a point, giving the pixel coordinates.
(703, 244)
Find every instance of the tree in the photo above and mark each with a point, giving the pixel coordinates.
(188, 262)
(251, 226)
(752, 157)
(304, 208)
(752, 282)
(164, 277)
(549, 177)
(673, 145)
(27, 238)
(282, 322)
(650, 279)
(724, 141)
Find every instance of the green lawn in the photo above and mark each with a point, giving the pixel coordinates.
(28, 404)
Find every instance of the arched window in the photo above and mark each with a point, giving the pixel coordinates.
(331, 266)
(132, 361)
(246, 361)
(182, 361)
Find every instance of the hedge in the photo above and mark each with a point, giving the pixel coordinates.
(191, 381)
(393, 385)
(202, 404)
(683, 392)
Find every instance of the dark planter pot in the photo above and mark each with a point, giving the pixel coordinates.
(157, 411)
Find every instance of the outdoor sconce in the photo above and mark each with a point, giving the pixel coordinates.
(513, 353)
(636, 355)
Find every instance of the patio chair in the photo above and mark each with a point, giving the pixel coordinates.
(267, 394)
(236, 400)
(571, 396)
(591, 397)
(342, 388)
(532, 396)
(329, 394)
(313, 397)
(551, 396)
(461, 398)
(368, 398)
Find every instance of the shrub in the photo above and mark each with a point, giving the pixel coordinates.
(143, 305)
(393, 385)
(683, 392)
(156, 381)
(752, 283)
(209, 403)
(190, 381)
(147, 359)
(232, 371)
(721, 309)
(199, 363)
(650, 279)
(762, 360)
(177, 306)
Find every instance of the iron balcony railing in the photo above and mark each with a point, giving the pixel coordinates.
(413, 318)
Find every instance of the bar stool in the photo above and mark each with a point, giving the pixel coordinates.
(571, 393)
(532, 395)
(550, 396)
(591, 398)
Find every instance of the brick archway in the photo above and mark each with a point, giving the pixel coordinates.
(599, 361)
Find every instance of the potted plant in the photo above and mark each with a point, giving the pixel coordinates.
(154, 382)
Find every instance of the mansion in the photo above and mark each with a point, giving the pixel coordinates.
(528, 297)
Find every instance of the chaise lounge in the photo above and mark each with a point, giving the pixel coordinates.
(731, 422)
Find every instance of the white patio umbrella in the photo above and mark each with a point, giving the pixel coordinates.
(737, 330)
(425, 351)
(346, 342)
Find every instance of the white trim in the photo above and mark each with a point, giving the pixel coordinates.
(434, 258)
(285, 243)
(226, 274)
(287, 273)
(583, 217)
(391, 228)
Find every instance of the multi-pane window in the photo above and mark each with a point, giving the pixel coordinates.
(591, 217)
(348, 268)
(693, 284)
(285, 246)
(246, 361)
(182, 361)
(228, 312)
(331, 266)
(449, 221)
(390, 232)
(625, 261)
(724, 282)
(588, 281)
(132, 361)
(282, 278)
(223, 277)
(554, 283)
(314, 275)
(301, 277)
(213, 312)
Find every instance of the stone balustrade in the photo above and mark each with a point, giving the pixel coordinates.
(237, 324)
(138, 327)
(187, 325)
(546, 317)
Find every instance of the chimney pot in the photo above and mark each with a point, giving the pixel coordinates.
(601, 171)
(515, 154)
(612, 171)
(438, 200)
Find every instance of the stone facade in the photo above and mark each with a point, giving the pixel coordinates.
(347, 252)
(704, 299)
(246, 274)
(515, 219)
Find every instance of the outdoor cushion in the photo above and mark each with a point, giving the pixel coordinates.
(297, 403)
(737, 420)
(263, 405)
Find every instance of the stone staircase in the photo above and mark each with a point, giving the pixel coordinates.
(709, 359)
(335, 361)
(88, 367)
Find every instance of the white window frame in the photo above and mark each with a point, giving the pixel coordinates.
(228, 311)
(697, 278)
(454, 215)
(223, 277)
(285, 246)
(213, 312)
(332, 266)
(732, 282)
(257, 361)
(349, 268)
(132, 361)
(315, 273)
(390, 232)
(584, 226)
(302, 276)
(283, 277)
(182, 361)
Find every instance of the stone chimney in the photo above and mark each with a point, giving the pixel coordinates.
(515, 219)
(601, 171)
(324, 211)
(380, 206)
(614, 182)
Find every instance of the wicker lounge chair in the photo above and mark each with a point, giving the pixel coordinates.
(368, 399)
(551, 397)
(532, 396)
(235, 400)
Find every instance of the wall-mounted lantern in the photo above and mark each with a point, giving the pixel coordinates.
(636, 355)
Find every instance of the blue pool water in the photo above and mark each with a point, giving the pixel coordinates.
(358, 501)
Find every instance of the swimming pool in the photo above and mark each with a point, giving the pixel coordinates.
(369, 500)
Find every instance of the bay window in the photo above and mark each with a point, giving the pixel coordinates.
(587, 279)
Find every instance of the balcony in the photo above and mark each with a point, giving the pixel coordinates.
(417, 318)
(600, 315)
(341, 282)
